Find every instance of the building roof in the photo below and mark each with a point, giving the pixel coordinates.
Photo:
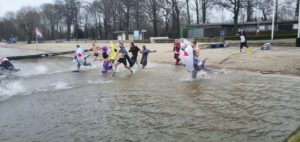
(231, 24)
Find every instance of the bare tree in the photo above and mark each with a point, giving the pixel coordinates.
(297, 9)
(7, 26)
(197, 11)
(49, 12)
(166, 7)
(233, 6)
(152, 8)
(188, 10)
(205, 5)
(176, 18)
(249, 6)
(265, 8)
(28, 19)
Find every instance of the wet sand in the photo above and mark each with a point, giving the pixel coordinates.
(279, 60)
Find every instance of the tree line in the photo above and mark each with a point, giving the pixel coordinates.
(78, 19)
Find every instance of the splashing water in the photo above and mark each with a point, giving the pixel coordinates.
(41, 69)
(61, 85)
(9, 89)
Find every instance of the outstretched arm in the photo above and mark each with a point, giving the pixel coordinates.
(153, 51)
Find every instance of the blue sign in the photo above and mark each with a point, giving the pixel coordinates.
(222, 33)
(136, 34)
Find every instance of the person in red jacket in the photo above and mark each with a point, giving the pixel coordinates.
(176, 50)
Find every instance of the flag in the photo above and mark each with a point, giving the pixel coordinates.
(38, 33)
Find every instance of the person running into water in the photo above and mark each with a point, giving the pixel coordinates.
(134, 50)
(176, 50)
(198, 64)
(131, 64)
(122, 59)
(6, 65)
(80, 58)
(113, 54)
(145, 53)
(243, 39)
(95, 51)
(105, 57)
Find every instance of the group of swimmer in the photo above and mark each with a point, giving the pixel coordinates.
(113, 57)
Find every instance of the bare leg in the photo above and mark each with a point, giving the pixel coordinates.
(115, 69)
(78, 66)
(128, 68)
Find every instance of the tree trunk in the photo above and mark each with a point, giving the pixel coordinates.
(236, 14)
(297, 9)
(197, 11)
(249, 10)
(204, 7)
(173, 21)
(188, 11)
(265, 15)
(127, 16)
(137, 14)
(276, 15)
(177, 20)
(154, 10)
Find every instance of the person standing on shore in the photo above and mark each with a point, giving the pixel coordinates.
(176, 50)
(145, 53)
(243, 39)
(134, 50)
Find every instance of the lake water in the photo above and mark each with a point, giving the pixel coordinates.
(45, 101)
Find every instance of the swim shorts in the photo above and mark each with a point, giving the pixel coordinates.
(123, 61)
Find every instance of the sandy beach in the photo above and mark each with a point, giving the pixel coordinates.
(279, 60)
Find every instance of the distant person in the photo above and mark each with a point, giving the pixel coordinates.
(122, 59)
(145, 53)
(176, 50)
(243, 39)
(80, 58)
(95, 51)
(134, 50)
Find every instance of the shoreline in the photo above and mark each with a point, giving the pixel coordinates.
(279, 60)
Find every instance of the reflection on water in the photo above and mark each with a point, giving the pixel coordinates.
(159, 103)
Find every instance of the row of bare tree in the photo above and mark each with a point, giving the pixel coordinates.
(73, 19)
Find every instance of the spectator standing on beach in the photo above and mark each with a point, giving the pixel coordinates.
(176, 50)
(243, 39)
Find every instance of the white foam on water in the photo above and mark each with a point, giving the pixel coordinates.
(41, 69)
(61, 86)
(10, 89)
(99, 82)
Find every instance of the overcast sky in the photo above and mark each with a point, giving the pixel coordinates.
(14, 5)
